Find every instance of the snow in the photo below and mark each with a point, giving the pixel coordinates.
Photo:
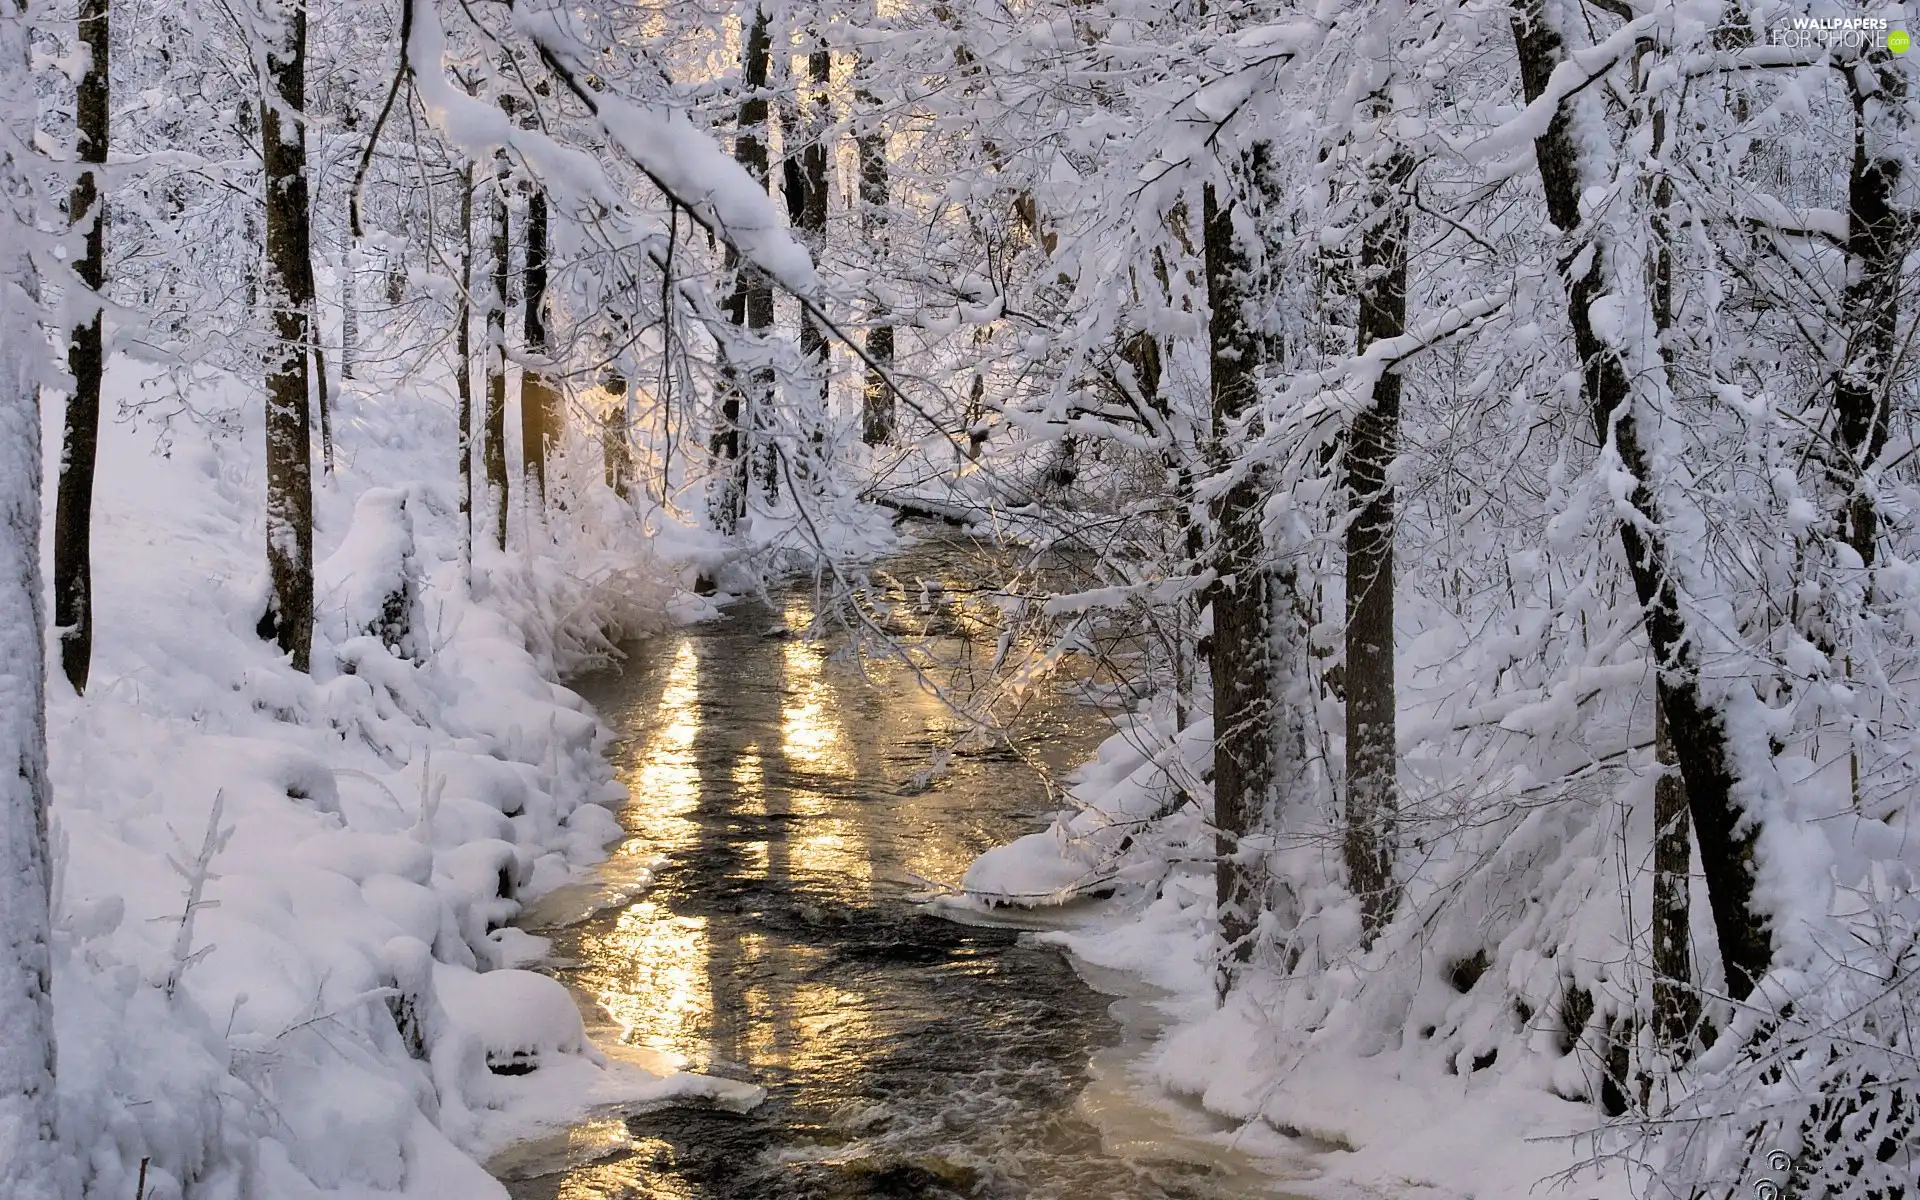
(1041, 868)
(369, 578)
(1579, 68)
(1367, 1068)
(690, 165)
(519, 1018)
(30, 1163)
(665, 144)
(281, 902)
(357, 839)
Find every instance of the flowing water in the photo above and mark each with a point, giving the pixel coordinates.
(761, 923)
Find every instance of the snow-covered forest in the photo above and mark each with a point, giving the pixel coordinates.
(1484, 429)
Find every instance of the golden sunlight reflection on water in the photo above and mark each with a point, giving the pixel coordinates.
(655, 970)
(792, 806)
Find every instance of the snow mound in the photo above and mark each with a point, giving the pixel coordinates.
(372, 576)
(519, 1018)
(1039, 869)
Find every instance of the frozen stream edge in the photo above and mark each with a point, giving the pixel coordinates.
(1137, 1121)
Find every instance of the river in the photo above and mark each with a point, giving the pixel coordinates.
(794, 802)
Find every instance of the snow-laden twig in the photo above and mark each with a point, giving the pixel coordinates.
(431, 790)
(197, 873)
(368, 777)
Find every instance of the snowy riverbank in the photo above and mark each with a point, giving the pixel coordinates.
(278, 895)
(1370, 1073)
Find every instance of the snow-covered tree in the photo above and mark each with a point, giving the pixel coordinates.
(32, 1165)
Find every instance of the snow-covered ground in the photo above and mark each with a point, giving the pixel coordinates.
(281, 965)
(1370, 1072)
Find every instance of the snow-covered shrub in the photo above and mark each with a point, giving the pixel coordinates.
(1815, 1083)
(372, 577)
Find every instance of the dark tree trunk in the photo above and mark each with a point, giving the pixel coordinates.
(741, 437)
(73, 501)
(1372, 443)
(1698, 730)
(283, 140)
(976, 413)
(320, 387)
(1676, 1005)
(493, 439)
(1242, 595)
(463, 364)
(810, 218)
(539, 401)
(1877, 241)
(876, 409)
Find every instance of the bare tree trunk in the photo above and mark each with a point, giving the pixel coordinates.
(1878, 235)
(244, 118)
(763, 448)
(1242, 595)
(616, 458)
(877, 408)
(31, 1165)
(1698, 730)
(807, 205)
(740, 437)
(1676, 1005)
(463, 364)
(350, 239)
(1372, 443)
(1142, 354)
(349, 306)
(397, 267)
(320, 386)
(728, 504)
(539, 401)
(976, 411)
(493, 441)
(289, 290)
(73, 502)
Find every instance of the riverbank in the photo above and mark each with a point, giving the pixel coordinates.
(1330, 1060)
(278, 894)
